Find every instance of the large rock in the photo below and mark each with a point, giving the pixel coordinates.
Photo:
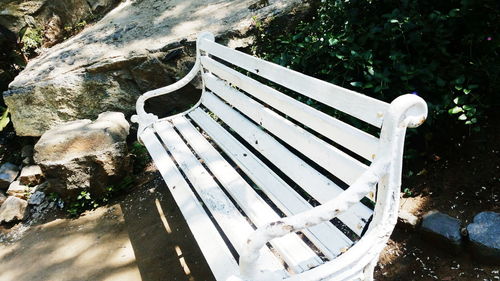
(8, 173)
(18, 190)
(84, 155)
(442, 231)
(2, 198)
(31, 175)
(46, 20)
(484, 235)
(138, 46)
(13, 209)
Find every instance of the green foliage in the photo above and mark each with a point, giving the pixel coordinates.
(32, 39)
(444, 51)
(72, 29)
(4, 119)
(140, 155)
(87, 201)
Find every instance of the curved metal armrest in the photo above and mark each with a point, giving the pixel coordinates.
(145, 119)
(325, 212)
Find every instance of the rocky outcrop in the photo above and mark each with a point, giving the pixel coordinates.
(84, 155)
(138, 46)
(13, 209)
(25, 23)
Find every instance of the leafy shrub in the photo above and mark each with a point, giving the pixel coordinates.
(31, 39)
(445, 51)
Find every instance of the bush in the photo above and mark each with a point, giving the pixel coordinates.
(445, 51)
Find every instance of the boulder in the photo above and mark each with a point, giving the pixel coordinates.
(40, 20)
(18, 190)
(84, 155)
(13, 209)
(31, 175)
(484, 237)
(137, 46)
(442, 231)
(8, 173)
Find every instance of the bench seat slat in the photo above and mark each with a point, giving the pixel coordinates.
(330, 158)
(293, 250)
(360, 106)
(213, 247)
(344, 134)
(317, 185)
(233, 224)
(282, 195)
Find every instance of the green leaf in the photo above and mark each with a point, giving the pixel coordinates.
(466, 91)
(394, 21)
(333, 41)
(357, 84)
(4, 120)
(462, 117)
(460, 80)
(455, 110)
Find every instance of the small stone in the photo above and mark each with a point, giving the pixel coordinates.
(36, 198)
(18, 190)
(442, 231)
(484, 235)
(407, 219)
(13, 209)
(8, 173)
(31, 175)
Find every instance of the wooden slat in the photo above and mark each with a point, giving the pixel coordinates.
(233, 224)
(330, 158)
(360, 106)
(293, 250)
(344, 134)
(317, 185)
(326, 237)
(214, 249)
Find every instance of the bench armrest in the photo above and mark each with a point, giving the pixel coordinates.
(145, 119)
(325, 212)
(407, 111)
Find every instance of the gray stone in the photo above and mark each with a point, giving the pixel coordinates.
(8, 173)
(36, 198)
(18, 190)
(484, 237)
(13, 209)
(31, 175)
(442, 231)
(106, 66)
(84, 155)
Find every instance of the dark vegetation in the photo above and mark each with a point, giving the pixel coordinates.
(444, 51)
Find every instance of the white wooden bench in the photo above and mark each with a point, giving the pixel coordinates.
(270, 187)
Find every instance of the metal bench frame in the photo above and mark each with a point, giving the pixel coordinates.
(175, 137)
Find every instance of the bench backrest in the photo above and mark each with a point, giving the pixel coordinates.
(315, 153)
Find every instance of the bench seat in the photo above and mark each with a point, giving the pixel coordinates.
(272, 188)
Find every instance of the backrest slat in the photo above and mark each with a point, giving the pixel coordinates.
(360, 106)
(344, 134)
(330, 158)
